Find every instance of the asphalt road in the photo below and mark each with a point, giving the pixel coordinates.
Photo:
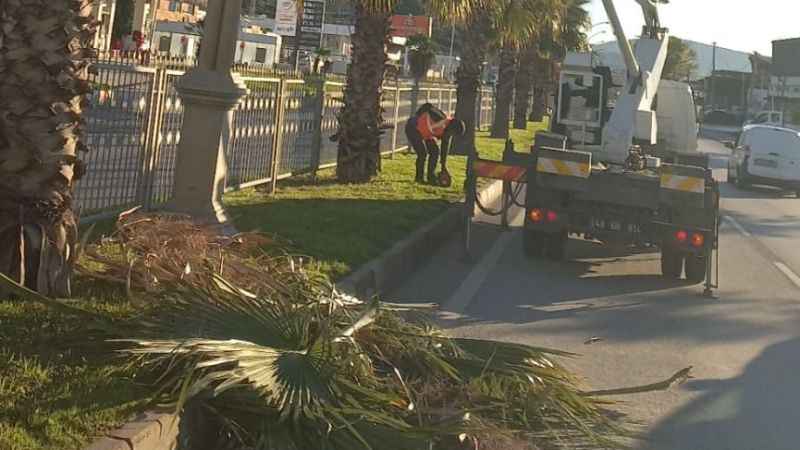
(744, 347)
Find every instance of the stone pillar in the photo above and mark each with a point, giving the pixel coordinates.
(209, 92)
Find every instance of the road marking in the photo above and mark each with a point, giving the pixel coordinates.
(736, 225)
(788, 272)
(461, 299)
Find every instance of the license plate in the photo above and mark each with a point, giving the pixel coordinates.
(607, 225)
(766, 163)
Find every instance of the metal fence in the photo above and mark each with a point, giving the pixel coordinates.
(281, 128)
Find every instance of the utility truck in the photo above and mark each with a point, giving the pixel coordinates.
(620, 164)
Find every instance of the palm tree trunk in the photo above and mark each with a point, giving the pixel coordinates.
(361, 116)
(524, 84)
(543, 82)
(468, 80)
(505, 91)
(43, 82)
(415, 96)
(539, 108)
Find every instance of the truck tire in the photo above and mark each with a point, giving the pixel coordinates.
(696, 268)
(671, 264)
(556, 246)
(533, 243)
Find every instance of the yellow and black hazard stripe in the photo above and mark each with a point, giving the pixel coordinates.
(564, 162)
(688, 179)
(683, 183)
(499, 171)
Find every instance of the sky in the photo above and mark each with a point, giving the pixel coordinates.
(743, 25)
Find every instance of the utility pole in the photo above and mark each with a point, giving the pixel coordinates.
(713, 74)
(253, 8)
(783, 103)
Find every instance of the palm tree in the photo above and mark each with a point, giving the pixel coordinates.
(360, 118)
(504, 23)
(421, 56)
(536, 64)
(43, 82)
(505, 90)
(524, 84)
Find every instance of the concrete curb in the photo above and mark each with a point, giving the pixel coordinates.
(159, 431)
(149, 431)
(398, 263)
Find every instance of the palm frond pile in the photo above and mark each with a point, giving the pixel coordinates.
(280, 360)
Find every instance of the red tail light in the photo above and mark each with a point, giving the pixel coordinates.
(552, 216)
(681, 236)
(698, 240)
(536, 215)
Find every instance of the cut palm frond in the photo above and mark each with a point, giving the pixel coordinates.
(261, 341)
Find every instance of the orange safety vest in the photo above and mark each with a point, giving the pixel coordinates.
(429, 129)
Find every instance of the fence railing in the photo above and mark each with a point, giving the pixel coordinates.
(281, 128)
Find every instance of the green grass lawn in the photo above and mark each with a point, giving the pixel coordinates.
(61, 383)
(344, 226)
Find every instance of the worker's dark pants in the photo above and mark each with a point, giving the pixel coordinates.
(425, 150)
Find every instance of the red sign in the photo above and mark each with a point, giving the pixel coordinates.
(407, 26)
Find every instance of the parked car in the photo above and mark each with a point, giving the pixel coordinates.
(766, 155)
(774, 118)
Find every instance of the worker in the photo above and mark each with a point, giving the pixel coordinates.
(427, 125)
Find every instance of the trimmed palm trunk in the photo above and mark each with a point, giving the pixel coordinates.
(543, 81)
(361, 117)
(524, 84)
(505, 91)
(468, 80)
(43, 70)
(539, 109)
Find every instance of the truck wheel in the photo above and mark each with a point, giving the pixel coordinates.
(556, 246)
(696, 268)
(671, 264)
(533, 243)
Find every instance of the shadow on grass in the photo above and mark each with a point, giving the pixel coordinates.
(63, 382)
(341, 233)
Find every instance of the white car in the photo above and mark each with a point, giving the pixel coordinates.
(766, 155)
(773, 118)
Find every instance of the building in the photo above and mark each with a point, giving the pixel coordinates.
(258, 49)
(103, 11)
(335, 37)
(784, 94)
(760, 82)
(182, 40)
(147, 14)
(176, 39)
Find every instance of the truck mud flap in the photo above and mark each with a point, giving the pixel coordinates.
(684, 185)
(563, 169)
